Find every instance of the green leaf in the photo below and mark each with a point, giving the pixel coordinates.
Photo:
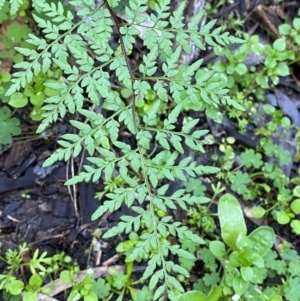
(119, 280)
(247, 273)
(295, 206)
(9, 126)
(90, 296)
(37, 99)
(240, 285)
(285, 29)
(217, 248)
(172, 117)
(195, 186)
(258, 212)
(263, 239)
(231, 220)
(283, 218)
(214, 295)
(16, 287)
(250, 158)
(291, 289)
(282, 69)
(241, 69)
(74, 295)
(159, 292)
(18, 100)
(239, 182)
(35, 280)
(66, 276)
(17, 32)
(176, 142)
(296, 24)
(279, 44)
(189, 125)
(113, 3)
(30, 296)
(211, 279)
(295, 225)
(296, 191)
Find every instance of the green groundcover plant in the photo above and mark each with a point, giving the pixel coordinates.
(114, 99)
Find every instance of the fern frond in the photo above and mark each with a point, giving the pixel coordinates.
(14, 6)
(97, 69)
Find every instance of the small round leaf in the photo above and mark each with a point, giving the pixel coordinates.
(240, 286)
(282, 69)
(66, 276)
(285, 29)
(35, 280)
(241, 69)
(5, 77)
(283, 218)
(279, 44)
(90, 296)
(217, 248)
(296, 23)
(285, 122)
(258, 262)
(295, 206)
(258, 212)
(247, 273)
(37, 99)
(18, 100)
(296, 191)
(258, 274)
(30, 296)
(16, 287)
(295, 224)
